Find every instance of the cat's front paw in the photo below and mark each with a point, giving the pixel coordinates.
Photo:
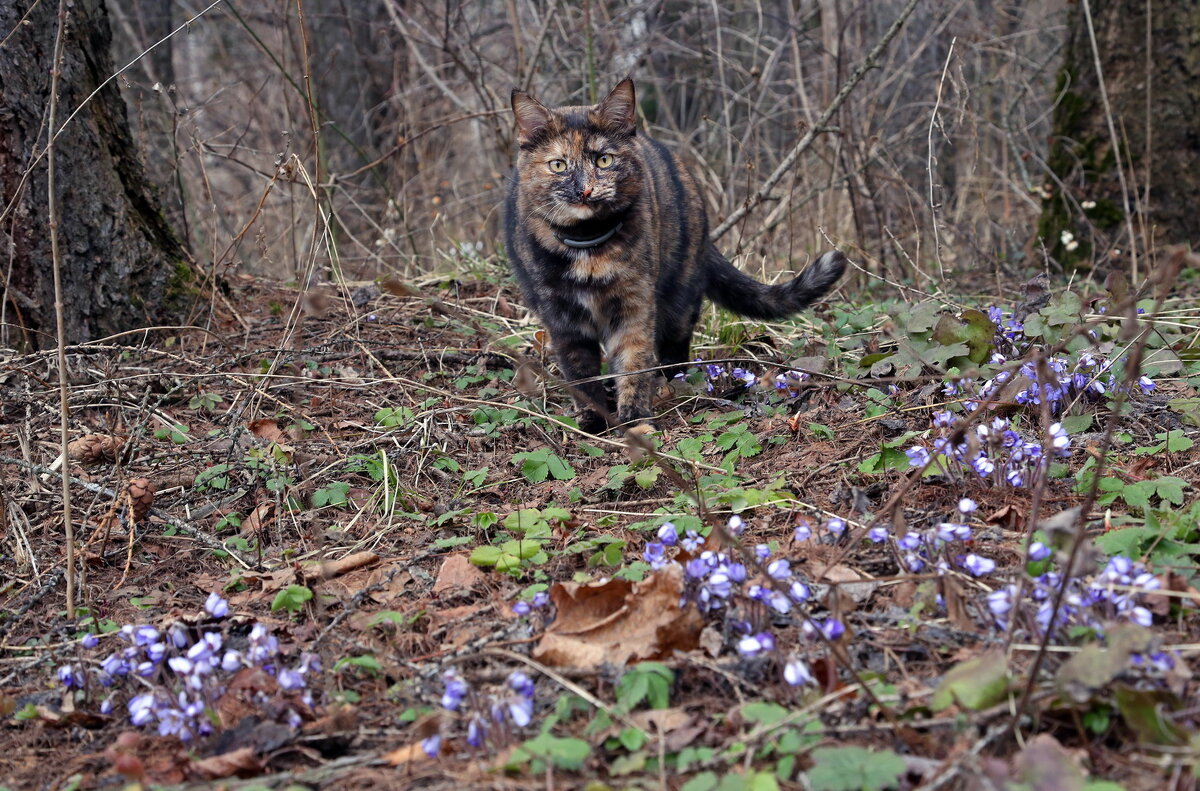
(592, 421)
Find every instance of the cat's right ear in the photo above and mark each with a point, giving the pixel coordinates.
(532, 116)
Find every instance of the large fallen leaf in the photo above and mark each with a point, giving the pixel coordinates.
(618, 622)
(1096, 664)
(974, 684)
(1045, 766)
(241, 762)
(457, 575)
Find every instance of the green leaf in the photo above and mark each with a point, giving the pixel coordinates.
(854, 769)
(291, 598)
(974, 684)
(822, 431)
(485, 555)
(1171, 489)
(705, 781)
(763, 712)
(647, 477)
(568, 754)
(1138, 494)
(1077, 424)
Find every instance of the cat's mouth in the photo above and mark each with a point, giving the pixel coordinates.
(581, 211)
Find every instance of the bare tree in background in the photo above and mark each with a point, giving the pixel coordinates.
(1151, 74)
(122, 265)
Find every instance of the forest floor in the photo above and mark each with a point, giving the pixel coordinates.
(893, 544)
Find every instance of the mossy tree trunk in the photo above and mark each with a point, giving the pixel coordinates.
(122, 265)
(1153, 86)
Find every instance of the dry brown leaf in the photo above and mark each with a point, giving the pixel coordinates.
(852, 583)
(406, 754)
(617, 622)
(457, 574)
(241, 762)
(335, 568)
(526, 381)
(267, 429)
(257, 519)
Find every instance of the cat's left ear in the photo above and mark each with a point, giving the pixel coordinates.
(618, 111)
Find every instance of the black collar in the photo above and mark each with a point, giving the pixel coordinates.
(594, 241)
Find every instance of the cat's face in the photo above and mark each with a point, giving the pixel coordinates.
(577, 163)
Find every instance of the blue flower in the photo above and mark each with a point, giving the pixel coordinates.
(877, 535)
(917, 456)
(1039, 551)
(803, 532)
(540, 600)
(69, 677)
(979, 566)
(668, 535)
(216, 606)
(522, 608)
(795, 672)
(432, 745)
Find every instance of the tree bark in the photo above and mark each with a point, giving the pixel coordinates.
(122, 265)
(1154, 92)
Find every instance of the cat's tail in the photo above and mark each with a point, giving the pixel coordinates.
(733, 289)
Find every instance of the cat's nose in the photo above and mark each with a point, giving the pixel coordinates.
(587, 193)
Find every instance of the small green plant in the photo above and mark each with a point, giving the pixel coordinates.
(393, 416)
(335, 494)
(292, 598)
(538, 465)
(176, 432)
(205, 401)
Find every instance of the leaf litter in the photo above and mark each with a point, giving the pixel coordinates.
(377, 470)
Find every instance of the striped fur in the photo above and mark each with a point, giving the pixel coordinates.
(608, 238)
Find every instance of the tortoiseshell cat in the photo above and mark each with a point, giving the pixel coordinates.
(608, 238)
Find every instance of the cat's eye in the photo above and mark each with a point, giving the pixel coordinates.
(604, 161)
(557, 166)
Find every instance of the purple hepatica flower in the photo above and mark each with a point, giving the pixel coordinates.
(156, 652)
(69, 677)
(216, 606)
(1141, 616)
(762, 552)
(139, 635)
(755, 644)
(655, 555)
(115, 665)
(696, 568)
(877, 535)
(231, 662)
(910, 541)
(917, 456)
(540, 600)
(145, 669)
(520, 710)
(799, 592)
(836, 526)
(779, 569)
(456, 690)
(979, 566)
(719, 585)
(521, 684)
(744, 376)
(967, 506)
(1146, 384)
(179, 635)
(736, 525)
(289, 680)
(803, 532)
(432, 745)
(795, 672)
(1039, 551)
(736, 572)
(713, 371)
(90, 640)
(983, 466)
(142, 709)
(778, 602)
(1060, 440)
(943, 418)
(913, 562)
(1014, 476)
(476, 731)
(106, 705)
(521, 608)
(691, 541)
(668, 535)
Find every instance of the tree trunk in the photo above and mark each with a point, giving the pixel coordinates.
(1154, 92)
(122, 266)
